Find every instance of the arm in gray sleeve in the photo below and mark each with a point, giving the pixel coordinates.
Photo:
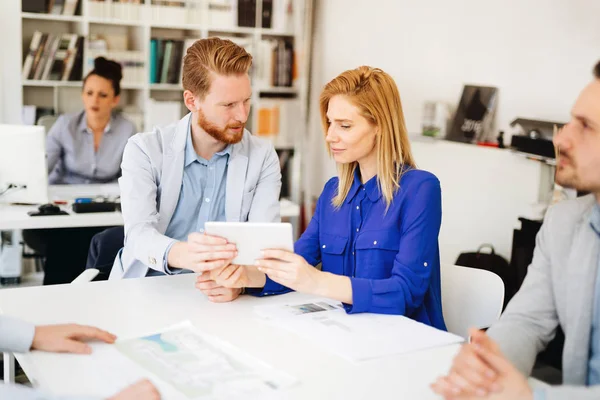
(53, 142)
(530, 319)
(18, 392)
(15, 336)
(265, 204)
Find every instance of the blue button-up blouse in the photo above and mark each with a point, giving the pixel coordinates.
(391, 257)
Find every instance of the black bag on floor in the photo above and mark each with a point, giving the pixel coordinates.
(494, 263)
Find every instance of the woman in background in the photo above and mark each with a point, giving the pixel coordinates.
(83, 148)
(87, 146)
(376, 225)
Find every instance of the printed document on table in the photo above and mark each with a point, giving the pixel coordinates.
(356, 337)
(184, 363)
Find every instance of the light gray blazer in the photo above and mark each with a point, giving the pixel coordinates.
(151, 181)
(558, 289)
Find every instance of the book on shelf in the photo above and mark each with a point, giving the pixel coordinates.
(54, 7)
(166, 57)
(52, 56)
(221, 13)
(278, 121)
(246, 13)
(276, 63)
(276, 15)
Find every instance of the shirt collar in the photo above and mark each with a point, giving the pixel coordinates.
(371, 188)
(595, 218)
(83, 127)
(191, 155)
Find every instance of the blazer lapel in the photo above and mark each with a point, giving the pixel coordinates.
(236, 177)
(172, 173)
(581, 279)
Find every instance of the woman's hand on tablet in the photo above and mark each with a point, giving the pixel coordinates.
(201, 253)
(291, 270)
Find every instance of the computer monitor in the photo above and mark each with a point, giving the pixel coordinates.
(23, 169)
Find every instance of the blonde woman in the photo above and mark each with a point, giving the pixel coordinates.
(375, 228)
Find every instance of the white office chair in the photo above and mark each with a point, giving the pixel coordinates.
(470, 298)
(86, 276)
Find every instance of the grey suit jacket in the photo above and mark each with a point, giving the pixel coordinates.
(558, 289)
(151, 181)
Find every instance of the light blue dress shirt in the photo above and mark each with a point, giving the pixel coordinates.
(72, 158)
(593, 377)
(201, 199)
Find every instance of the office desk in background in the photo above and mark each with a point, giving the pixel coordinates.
(132, 307)
(15, 216)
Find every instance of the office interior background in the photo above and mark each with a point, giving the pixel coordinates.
(538, 54)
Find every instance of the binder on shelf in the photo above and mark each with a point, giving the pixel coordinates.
(153, 60)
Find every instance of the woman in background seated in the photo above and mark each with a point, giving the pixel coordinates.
(87, 147)
(84, 147)
(375, 228)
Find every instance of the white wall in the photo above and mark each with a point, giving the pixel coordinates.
(484, 192)
(10, 66)
(539, 53)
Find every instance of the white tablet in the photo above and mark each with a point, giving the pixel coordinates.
(253, 237)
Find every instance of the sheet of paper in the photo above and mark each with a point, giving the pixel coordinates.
(356, 337)
(184, 364)
(201, 366)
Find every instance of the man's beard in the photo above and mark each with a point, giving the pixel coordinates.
(221, 134)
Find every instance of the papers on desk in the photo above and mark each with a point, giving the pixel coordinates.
(355, 337)
(184, 363)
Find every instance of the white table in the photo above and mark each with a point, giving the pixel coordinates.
(138, 306)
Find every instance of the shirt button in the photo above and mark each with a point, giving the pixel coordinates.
(207, 200)
(357, 207)
(424, 264)
(201, 231)
(375, 242)
(324, 246)
(356, 229)
(352, 253)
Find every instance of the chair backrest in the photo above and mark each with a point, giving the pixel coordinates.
(47, 121)
(470, 298)
(86, 276)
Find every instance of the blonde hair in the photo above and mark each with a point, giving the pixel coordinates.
(216, 55)
(376, 95)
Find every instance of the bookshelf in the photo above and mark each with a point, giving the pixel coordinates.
(124, 29)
